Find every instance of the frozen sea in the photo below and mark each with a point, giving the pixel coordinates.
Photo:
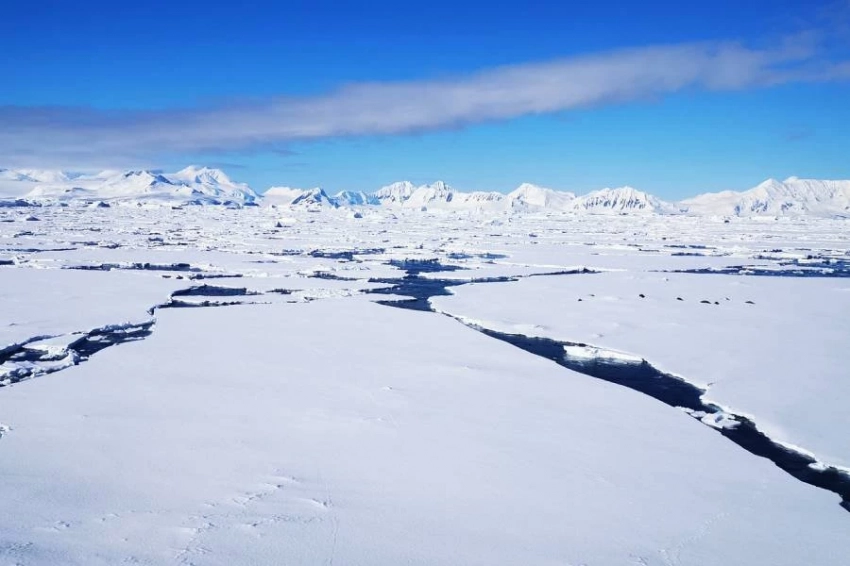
(287, 386)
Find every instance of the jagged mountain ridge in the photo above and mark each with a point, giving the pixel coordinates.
(207, 186)
(792, 197)
(622, 200)
(525, 198)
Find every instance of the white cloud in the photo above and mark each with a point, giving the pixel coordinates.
(81, 136)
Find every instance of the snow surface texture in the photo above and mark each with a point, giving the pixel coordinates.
(204, 186)
(274, 413)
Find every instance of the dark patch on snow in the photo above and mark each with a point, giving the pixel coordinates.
(285, 252)
(98, 340)
(17, 203)
(814, 262)
(369, 251)
(414, 285)
(281, 291)
(485, 256)
(420, 304)
(346, 255)
(212, 291)
(833, 268)
(138, 266)
(330, 276)
(37, 250)
(687, 246)
(419, 288)
(178, 304)
(423, 288)
(417, 266)
(199, 276)
(640, 376)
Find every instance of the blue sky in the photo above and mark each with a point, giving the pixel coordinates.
(669, 97)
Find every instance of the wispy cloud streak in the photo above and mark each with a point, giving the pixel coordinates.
(84, 136)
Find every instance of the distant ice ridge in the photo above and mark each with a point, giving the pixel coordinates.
(205, 186)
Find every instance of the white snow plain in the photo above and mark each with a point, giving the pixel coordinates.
(311, 425)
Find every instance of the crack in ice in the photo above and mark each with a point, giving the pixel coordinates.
(635, 373)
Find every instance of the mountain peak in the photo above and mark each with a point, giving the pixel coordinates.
(619, 200)
(395, 193)
(289, 196)
(197, 174)
(794, 196)
(530, 196)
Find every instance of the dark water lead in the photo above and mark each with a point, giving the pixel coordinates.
(831, 268)
(138, 266)
(208, 292)
(90, 343)
(488, 256)
(640, 376)
(345, 255)
(79, 350)
(178, 304)
(328, 275)
(834, 265)
(205, 290)
(675, 392)
(417, 266)
(420, 289)
(97, 340)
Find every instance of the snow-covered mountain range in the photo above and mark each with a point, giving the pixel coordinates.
(205, 186)
(790, 197)
(440, 196)
(192, 185)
